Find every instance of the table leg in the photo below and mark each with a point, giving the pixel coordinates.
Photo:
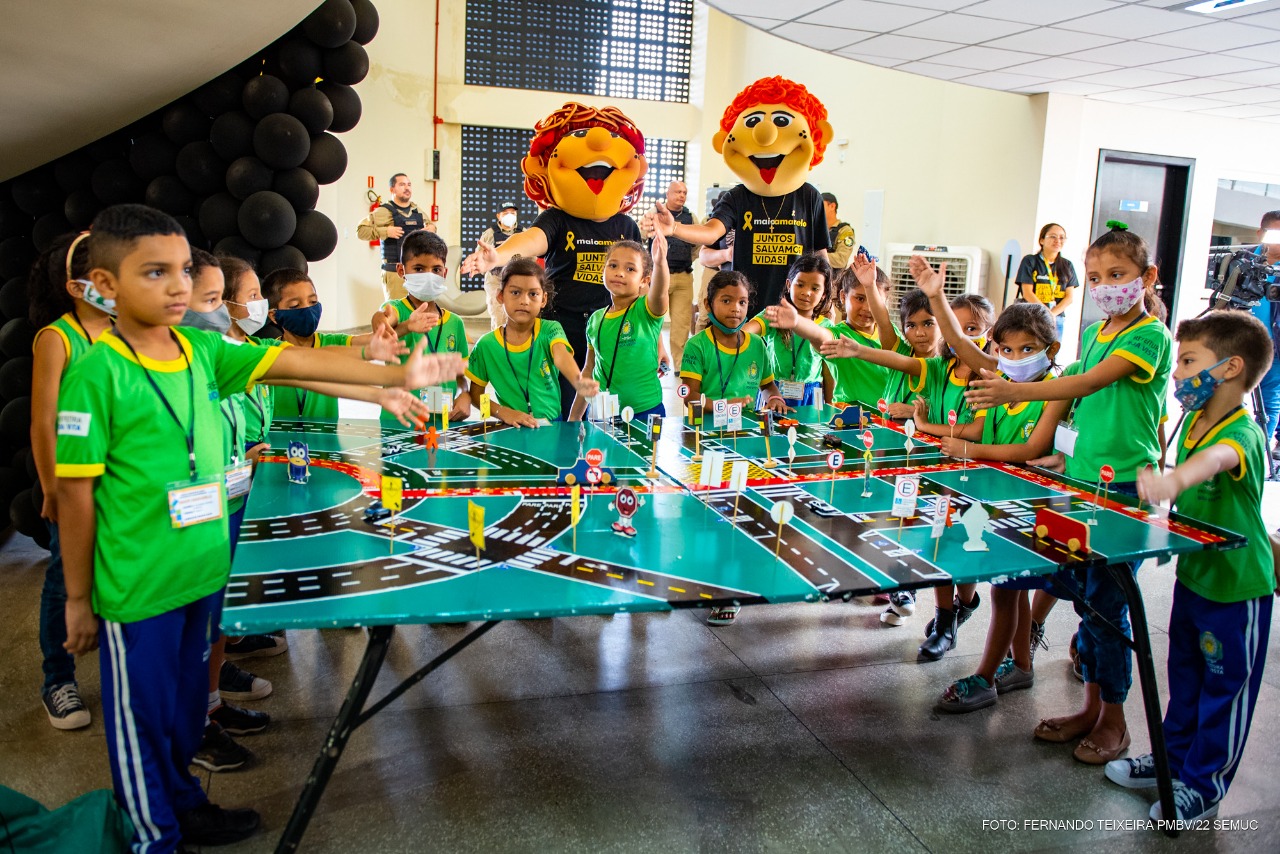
(1150, 692)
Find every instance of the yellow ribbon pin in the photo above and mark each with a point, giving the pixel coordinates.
(568, 242)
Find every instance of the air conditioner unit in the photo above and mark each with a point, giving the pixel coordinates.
(966, 269)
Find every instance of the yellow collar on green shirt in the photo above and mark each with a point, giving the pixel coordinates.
(746, 340)
(516, 348)
(1207, 438)
(169, 366)
(1150, 318)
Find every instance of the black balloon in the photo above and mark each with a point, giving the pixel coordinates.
(281, 258)
(366, 21)
(108, 147)
(13, 299)
(315, 235)
(347, 64)
(264, 95)
(73, 171)
(13, 220)
(170, 195)
(267, 220)
(26, 521)
(25, 461)
(191, 227)
(15, 377)
(332, 24)
(239, 247)
(232, 135)
(281, 141)
(219, 95)
(346, 105)
(16, 255)
(115, 183)
(299, 60)
(218, 215)
(200, 167)
(81, 207)
(153, 155)
(15, 419)
(16, 337)
(183, 122)
(327, 159)
(248, 175)
(10, 486)
(47, 228)
(299, 187)
(36, 192)
(312, 108)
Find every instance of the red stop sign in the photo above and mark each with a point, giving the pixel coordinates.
(951, 418)
(868, 439)
(1107, 473)
(626, 502)
(883, 406)
(595, 457)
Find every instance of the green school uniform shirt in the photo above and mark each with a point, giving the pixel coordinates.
(450, 336)
(112, 426)
(260, 401)
(1118, 425)
(1231, 500)
(299, 403)
(897, 388)
(939, 385)
(231, 408)
(793, 360)
(1011, 423)
(857, 381)
(724, 372)
(75, 339)
(626, 347)
(523, 375)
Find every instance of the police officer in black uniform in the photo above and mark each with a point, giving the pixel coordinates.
(390, 222)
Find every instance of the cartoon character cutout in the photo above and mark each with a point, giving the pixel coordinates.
(626, 503)
(299, 462)
(772, 134)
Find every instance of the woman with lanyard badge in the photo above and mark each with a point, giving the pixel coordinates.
(1047, 277)
(622, 340)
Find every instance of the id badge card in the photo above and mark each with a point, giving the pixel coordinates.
(238, 477)
(194, 502)
(791, 389)
(1064, 439)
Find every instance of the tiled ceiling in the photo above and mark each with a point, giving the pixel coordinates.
(1149, 52)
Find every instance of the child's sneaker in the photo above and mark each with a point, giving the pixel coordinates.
(251, 646)
(238, 721)
(1011, 677)
(210, 824)
(902, 604)
(64, 707)
(966, 695)
(220, 752)
(1138, 773)
(723, 616)
(237, 684)
(1188, 802)
(1037, 640)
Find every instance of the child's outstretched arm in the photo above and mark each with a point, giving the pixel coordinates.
(563, 359)
(991, 391)
(1158, 488)
(1038, 444)
(930, 281)
(847, 348)
(773, 398)
(865, 270)
(579, 407)
(530, 243)
(396, 401)
(330, 364)
(662, 221)
(784, 316)
(970, 432)
(659, 297)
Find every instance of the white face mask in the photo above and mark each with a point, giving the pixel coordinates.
(508, 219)
(426, 287)
(1025, 370)
(1116, 300)
(97, 300)
(257, 315)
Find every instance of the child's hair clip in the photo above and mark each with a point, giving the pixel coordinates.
(1117, 225)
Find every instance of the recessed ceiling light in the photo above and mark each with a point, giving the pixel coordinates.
(1212, 7)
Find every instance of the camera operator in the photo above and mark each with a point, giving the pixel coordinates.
(1269, 313)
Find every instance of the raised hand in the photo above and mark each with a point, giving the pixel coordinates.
(864, 269)
(385, 316)
(385, 346)
(423, 369)
(840, 348)
(484, 259)
(658, 249)
(661, 220)
(424, 318)
(782, 316)
(403, 404)
(920, 411)
(927, 279)
(989, 392)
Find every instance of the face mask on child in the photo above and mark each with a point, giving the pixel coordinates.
(426, 287)
(97, 300)
(979, 341)
(1116, 300)
(218, 320)
(508, 220)
(257, 315)
(302, 322)
(1194, 391)
(1025, 370)
(727, 330)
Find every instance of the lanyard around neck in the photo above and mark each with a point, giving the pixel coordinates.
(190, 429)
(617, 342)
(740, 343)
(528, 371)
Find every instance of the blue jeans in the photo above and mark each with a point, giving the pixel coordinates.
(1061, 320)
(1269, 389)
(59, 665)
(1105, 660)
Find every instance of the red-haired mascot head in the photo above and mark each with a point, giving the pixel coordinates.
(772, 134)
(587, 162)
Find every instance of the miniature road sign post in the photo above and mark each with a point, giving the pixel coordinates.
(719, 414)
(941, 520)
(883, 406)
(791, 449)
(766, 428)
(835, 459)
(782, 513)
(655, 431)
(475, 527)
(735, 422)
(738, 483)
(908, 444)
(712, 472)
(627, 414)
(1106, 474)
(486, 412)
(695, 412)
(952, 418)
(906, 488)
(575, 511)
(625, 503)
(392, 499)
(867, 440)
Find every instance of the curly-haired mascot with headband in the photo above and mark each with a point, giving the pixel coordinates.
(772, 134)
(585, 169)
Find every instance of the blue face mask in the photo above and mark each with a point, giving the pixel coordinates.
(302, 322)
(727, 330)
(1194, 391)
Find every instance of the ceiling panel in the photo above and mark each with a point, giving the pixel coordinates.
(1060, 68)
(1249, 95)
(1133, 78)
(1243, 111)
(1207, 65)
(1195, 86)
(1052, 41)
(1216, 35)
(1002, 80)
(965, 29)
(1042, 12)
(1264, 52)
(822, 38)
(932, 69)
(1130, 22)
(1131, 53)
(901, 47)
(984, 58)
(771, 8)
(865, 15)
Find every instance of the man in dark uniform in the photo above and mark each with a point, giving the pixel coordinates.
(508, 217)
(680, 266)
(840, 235)
(389, 222)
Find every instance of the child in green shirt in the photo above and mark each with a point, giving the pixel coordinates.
(856, 381)
(623, 340)
(1222, 601)
(800, 371)
(524, 359)
(921, 337)
(423, 265)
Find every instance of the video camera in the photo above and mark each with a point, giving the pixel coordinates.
(1240, 276)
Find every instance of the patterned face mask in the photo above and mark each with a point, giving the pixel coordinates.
(1115, 300)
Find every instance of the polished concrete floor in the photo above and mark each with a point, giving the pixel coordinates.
(801, 728)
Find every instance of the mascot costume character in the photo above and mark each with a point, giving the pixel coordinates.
(585, 169)
(772, 134)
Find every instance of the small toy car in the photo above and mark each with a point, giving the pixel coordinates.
(787, 422)
(375, 512)
(833, 442)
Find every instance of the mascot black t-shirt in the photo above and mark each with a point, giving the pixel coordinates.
(772, 233)
(575, 256)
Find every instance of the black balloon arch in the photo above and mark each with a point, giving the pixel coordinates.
(238, 162)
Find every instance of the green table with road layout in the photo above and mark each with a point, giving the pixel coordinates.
(308, 558)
